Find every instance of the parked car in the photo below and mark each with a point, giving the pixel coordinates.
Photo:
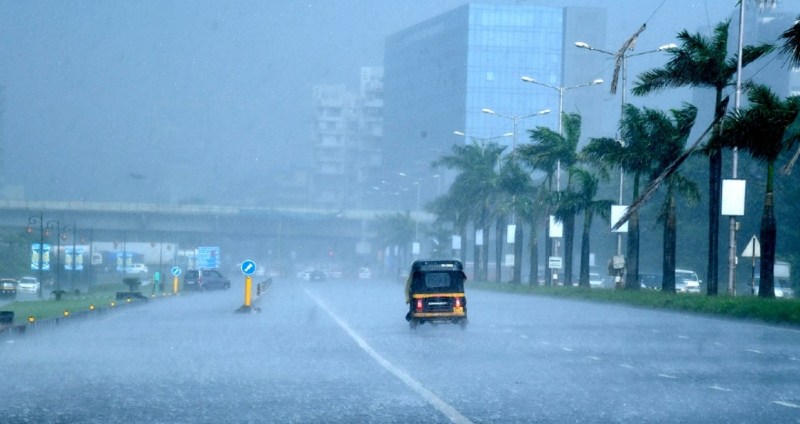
(686, 281)
(317, 275)
(364, 273)
(28, 285)
(596, 281)
(205, 279)
(650, 281)
(140, 269)
(8, 287)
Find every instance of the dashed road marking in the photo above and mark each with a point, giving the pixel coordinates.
(566, 349)
(754, 351)
(413, 384)
(786, 404)
(671, 377)
(594, 358)
(720, 388)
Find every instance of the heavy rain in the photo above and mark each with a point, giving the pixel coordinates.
(421, 211)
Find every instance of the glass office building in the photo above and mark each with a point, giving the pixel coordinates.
(440, 74)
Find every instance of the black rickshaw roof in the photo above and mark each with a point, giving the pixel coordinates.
(436, 265)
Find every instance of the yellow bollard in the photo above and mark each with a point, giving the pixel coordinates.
(248, 283)
(175, 285)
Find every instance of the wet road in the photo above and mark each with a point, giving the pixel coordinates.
(341, 352)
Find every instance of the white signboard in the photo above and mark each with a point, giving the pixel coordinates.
(733, 197)
(479, 238)
(511, 232)
(456, 243)
(753, 249)
(554, 262)
(617, 211)
(415, 248)
(509, 260)
(556, 228)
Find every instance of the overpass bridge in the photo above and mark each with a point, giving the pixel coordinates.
(265, 234)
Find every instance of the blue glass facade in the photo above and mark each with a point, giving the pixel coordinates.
(505, 43)
(440, 74)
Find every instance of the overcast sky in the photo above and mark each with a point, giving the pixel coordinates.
(137, 100)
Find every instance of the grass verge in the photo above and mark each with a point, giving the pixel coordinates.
(774, 311)
(100, 297)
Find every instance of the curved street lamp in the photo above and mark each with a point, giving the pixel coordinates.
(515, 119)
(561, 90)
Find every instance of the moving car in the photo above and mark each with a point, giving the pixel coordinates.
(205, 279)
(316, 275)
(364, 273)
(435, 293)
(140, 269)
(8, 287)
(28, 285)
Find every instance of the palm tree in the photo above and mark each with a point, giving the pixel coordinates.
(547, 149)
(669, 137)
(584, 201)
(634, 157)
(764, 130)
(475, 187)
(791, 43)
(517, 186)
(395, 230)
(703, 62)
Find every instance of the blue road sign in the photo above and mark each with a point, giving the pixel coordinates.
(176, 271)
(248, 267)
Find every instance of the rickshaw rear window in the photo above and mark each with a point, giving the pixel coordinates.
(437, 279)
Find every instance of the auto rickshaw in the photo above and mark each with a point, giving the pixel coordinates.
(435, 293)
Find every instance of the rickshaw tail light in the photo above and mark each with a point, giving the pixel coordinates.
(458, 302)
(419, 305)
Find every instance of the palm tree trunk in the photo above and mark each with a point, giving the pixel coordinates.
(569, 238)
(632, 263)
(766, 285)
(533, 273)
(518, 236)
(583, 280)
(548, 251)
(500, 231)
(485, 252)
(714, 203)
(669, 246)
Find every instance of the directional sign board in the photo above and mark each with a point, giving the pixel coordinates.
(176, 271)
(248, 267)
(208, 257)
(554, 262)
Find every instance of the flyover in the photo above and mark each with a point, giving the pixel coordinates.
(284, 231)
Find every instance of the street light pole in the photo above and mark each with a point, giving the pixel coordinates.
(72, 269)
(38, 220)
(561, 90)
(624, 69)
(55, 224)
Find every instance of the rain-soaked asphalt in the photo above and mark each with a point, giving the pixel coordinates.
(341, 352)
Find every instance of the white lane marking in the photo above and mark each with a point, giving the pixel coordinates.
(668, 376)
(720, 388)
(416, 386)
(522, 336)
(754, 351)
(566, 349)
(593, 357)
(684, 337)
(628, 366)
(786, 404)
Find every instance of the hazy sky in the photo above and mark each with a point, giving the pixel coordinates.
(136, 100)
